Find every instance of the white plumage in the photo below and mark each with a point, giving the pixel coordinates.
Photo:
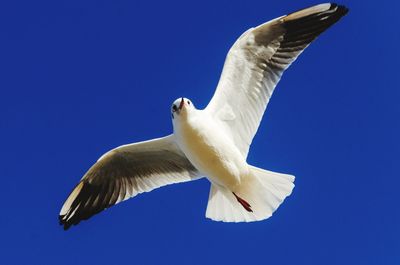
(213, 142)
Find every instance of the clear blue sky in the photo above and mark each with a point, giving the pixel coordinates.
(81, 77)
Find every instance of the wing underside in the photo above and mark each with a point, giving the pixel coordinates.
(255, 64)
(123, 173)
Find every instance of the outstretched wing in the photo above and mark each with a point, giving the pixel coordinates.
(254, 66)
(123, 173)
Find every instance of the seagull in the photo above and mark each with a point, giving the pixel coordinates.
(213, 142)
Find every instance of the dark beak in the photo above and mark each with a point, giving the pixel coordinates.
(181, 104)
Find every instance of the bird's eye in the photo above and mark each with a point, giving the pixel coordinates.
(188, 102)
(174, 108)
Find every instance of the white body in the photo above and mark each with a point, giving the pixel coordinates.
(209, 149)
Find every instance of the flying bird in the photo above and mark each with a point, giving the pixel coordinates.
(213, 142)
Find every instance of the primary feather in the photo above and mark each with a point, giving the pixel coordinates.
(123, 173)
(255, 64)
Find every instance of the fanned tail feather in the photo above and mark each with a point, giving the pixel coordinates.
(256, 199)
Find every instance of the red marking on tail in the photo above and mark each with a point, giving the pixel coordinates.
(245, 204)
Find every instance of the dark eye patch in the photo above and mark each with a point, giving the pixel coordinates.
(174, 108)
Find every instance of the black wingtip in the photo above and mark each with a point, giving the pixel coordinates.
(83, 205)
(63, 223)
(341, 9)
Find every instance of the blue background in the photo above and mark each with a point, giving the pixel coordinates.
(78, 78)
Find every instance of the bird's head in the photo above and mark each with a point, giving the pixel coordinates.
(181, 108)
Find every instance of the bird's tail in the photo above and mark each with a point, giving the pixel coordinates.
(256, 199)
